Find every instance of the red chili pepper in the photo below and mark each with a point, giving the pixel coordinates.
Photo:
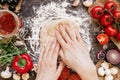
(22, 63)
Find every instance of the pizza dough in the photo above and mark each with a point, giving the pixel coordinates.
(47, 32)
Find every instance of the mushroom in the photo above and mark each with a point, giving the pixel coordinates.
(107, 72)
(19, 43)
(16, 77)
(101, 71)
(105, 65)
(34, 67)
(114, 71)
(6, 74)
(110, 77)
(76, 3)
(25, 76)
(87, 3)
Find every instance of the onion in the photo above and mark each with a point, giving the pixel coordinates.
(113, 56)
(101, 54)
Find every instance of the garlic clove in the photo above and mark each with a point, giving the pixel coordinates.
(114, 71)
(16, 77)
(6, 74)
(76, 3)
(107, 72)
(110, 77)
(88, 3)
(105, 65)
(25, 76)
(101, 71)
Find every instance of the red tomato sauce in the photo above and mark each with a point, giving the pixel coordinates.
(7, 23)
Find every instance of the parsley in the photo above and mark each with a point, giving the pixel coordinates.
(8, 50)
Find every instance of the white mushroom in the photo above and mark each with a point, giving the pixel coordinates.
(25, 76)
(107, 72)
(16, 77)
(87, 3)
(34, 67)
(101, 71)
(110, 77)
(19, 43)
(76, 3)
(105, 65)
(6, 74)
(114, 71)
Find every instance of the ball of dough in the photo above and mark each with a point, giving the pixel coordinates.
(47, 32)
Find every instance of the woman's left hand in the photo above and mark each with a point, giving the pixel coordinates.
(47, 65)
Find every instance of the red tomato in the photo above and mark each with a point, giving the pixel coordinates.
(74, 77)
(97, 12)
(110, 5)
(106, 20)
(111, 31)
(117, 15)
(65, 74)
(103, 38)
(118, 36)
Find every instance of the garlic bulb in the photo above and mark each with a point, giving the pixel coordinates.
(6, 74)
(114, 71)
(110, 77)
(107, 72)
(101, 71)
(105, 65)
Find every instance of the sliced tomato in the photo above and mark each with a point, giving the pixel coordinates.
(65, 74)
(74, 77)
(103, 38)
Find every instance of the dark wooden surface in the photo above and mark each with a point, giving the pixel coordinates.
(27, 11)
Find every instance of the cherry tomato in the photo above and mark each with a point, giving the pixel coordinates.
(106, 20)
(74, 77)
(97, 12)
(103, 38)
(118, 36)
(111, 6)
(117, 15)
(111, 31)
(65, 74)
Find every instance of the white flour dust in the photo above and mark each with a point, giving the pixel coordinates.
(53, 11)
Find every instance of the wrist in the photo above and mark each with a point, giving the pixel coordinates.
(88, 73)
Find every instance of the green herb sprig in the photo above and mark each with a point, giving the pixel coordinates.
(8, 50)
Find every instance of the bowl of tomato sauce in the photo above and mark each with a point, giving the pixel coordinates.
(9, 23)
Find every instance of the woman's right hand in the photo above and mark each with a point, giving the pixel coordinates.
(75, 53)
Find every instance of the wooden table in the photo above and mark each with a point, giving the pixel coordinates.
(27, 11)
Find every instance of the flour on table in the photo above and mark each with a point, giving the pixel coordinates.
(52, 11)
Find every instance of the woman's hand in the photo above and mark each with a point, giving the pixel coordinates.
(47, 65)
(75, 53)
